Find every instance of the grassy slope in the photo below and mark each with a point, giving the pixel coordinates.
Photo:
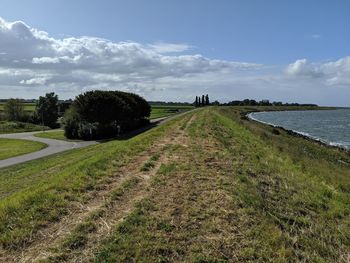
(42, 185)
(13, 147)
(240, 193)
(235, 190)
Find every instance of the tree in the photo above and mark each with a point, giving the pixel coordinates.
(196, 102)
(207, 99)
(47, 110)
(199, 101)
(100, 114)
(13, 110)
(203, 100)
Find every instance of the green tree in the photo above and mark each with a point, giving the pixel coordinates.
(13, 110)
(196, 102)
(47, 110)
(207, 99)
(99, 114)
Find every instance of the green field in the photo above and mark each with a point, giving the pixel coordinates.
(13, 147)
(208, 186)
(29, 107)
(57, 135)
(160, 111)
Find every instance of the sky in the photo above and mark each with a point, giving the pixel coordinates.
(290, 51)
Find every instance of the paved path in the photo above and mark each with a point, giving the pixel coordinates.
(53, 146)
(56, 146)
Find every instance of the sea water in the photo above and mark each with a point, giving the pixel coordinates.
(329, 126)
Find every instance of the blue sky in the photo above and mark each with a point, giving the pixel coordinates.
(279, 50)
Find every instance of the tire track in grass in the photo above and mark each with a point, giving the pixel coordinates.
(42, 244)
(115, 211)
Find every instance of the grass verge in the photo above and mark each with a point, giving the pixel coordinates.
(57, 135)
(14, 147)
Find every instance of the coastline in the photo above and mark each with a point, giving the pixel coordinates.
(299, 134)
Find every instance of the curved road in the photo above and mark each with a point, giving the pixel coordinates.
(53, 146)
(56, 146)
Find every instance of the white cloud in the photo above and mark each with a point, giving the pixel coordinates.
(332, 73)
(34, 81)
(161, 47)
(32, 63)
(90, 61)
(302, 67)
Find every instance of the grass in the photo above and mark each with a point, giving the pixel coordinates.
(229, 190)
(160, 111)
(41, 191)
(13, 127)
(150, 164)
(14, 147)
(29, 107)
(57, 135)
(234, 195)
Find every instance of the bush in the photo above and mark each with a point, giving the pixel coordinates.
(13, 110)
(98, 114)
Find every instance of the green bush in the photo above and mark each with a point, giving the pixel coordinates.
(98, 114)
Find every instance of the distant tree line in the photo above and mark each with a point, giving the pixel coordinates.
(170, 103)
(250, 102)
(100, 114)
(201, 101)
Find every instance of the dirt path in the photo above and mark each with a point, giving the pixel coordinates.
(42, 246)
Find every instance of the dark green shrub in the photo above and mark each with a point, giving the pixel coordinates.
(98, 114)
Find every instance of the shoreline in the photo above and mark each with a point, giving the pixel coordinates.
(299, 134)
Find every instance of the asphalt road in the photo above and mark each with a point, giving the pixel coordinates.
(56, 146)
(53, 146)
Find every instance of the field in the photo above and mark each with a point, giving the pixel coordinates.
(29, 107)
(13, 147)
(57, 135)
(208, 186)
(160, 111)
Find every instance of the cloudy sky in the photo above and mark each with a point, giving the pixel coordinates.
(174, 50)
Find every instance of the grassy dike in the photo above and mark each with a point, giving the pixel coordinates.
(226, 190)
(239, 192)
(37, 193)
